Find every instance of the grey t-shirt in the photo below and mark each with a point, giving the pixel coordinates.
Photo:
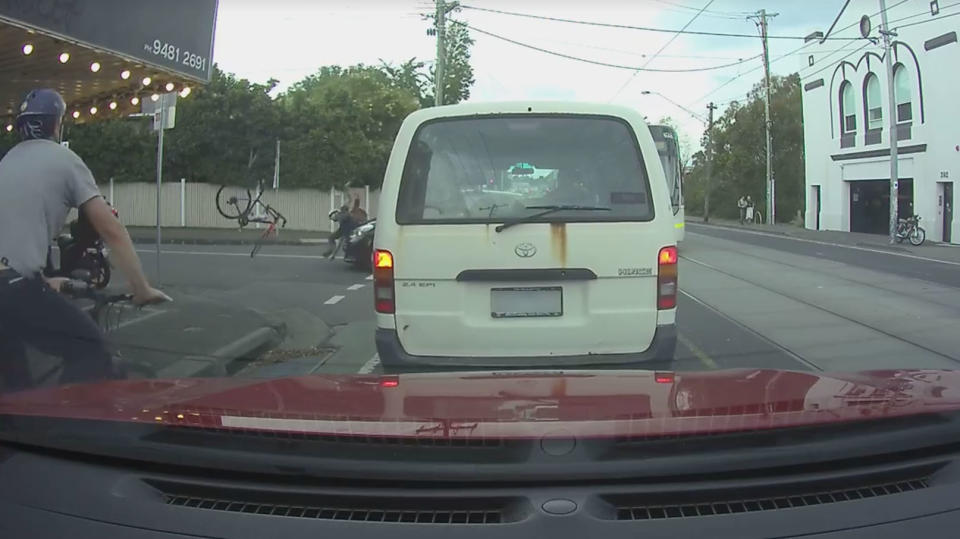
(40, 181)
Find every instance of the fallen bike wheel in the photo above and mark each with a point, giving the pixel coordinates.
(233, 202)
(918, 236)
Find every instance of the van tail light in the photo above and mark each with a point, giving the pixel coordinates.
(667, 278)
(383, 295)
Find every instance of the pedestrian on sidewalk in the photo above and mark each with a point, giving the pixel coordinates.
(742, 206)
(750, 209)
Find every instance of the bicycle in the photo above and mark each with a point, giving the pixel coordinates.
(910, 228)
(238, 203)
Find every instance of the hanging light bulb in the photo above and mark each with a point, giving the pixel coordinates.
(76, 114)
(9, 128)
(27, 49)
(146, 81)
(93, 111)
(185, 92)
(155, 98)
(113, 105)
(95, 67)
(170, 86)
(135, 101)
(125, 74)
(64, 57)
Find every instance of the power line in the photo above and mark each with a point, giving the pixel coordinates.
(642, 28)
(728, 14)
(595, 62)
(927, 21)
(665, 45)
(806, 44)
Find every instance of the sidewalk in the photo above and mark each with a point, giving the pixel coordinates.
(223, 236)
(930, 249)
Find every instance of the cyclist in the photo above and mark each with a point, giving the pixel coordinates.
(40, 181)
(345, 226)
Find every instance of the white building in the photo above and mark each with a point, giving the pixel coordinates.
(846, 123)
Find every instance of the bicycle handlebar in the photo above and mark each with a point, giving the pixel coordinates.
(81, 289)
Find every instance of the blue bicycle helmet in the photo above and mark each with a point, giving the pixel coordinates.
(41, 113)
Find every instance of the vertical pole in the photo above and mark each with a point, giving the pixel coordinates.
(112, 200)
(366, 199)
(892, 112)
(183, 202)
(771, 203)
(441, 53)
(162, 114)
(329, 222)
(276, 168)
(709, 184)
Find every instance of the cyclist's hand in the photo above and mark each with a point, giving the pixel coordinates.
(149, 296)
(56, 282)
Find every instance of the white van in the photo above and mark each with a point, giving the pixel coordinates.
(525, 235)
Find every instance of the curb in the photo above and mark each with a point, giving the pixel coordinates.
(869, 245)
(225, 241)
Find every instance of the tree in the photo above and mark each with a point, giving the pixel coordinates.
(410, 76)
(458, 73)
(739, 150)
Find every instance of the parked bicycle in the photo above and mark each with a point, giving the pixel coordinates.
(910, 229)
(240, 204)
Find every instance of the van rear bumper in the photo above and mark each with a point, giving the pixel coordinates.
(393, 357)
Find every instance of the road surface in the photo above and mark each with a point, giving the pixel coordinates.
(747, 300)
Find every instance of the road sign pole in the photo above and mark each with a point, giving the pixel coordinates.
(161, 113)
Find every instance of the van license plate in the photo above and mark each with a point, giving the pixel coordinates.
(532, 302)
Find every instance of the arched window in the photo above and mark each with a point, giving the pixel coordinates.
(872, 104)
(848, 111)
(901, 89)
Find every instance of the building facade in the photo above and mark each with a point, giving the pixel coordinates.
(847, 124)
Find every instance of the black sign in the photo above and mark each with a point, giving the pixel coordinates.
(174, 34)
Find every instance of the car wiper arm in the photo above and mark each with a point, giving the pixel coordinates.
(547, 210)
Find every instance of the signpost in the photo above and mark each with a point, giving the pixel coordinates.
(164, 117)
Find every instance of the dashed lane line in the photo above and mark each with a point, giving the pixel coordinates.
(370, 365)
(355, 286)
(334, 300)
(369, 277)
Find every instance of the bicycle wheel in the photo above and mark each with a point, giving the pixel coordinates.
(233, 202)
(918, 236)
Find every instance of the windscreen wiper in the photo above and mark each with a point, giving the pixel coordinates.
(547, 210)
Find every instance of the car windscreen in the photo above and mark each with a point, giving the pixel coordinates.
(491, 169)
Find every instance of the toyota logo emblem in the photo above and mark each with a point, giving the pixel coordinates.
(525, 250)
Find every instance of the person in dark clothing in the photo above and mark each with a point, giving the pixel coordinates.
(345, 226)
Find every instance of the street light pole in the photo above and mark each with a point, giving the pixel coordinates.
(892, 112)
(438, 71)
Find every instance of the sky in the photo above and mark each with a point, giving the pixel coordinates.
(289, 39)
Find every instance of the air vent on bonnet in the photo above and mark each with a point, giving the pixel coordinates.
(627, 511)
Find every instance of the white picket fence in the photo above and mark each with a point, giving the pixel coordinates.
(188, 204)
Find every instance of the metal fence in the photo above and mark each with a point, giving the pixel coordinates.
(187, 204)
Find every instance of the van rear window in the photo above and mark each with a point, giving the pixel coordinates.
(496, 168)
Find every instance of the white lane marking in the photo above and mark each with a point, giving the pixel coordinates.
(243, 255)
(149, 314)
(356, 286)
(334, 300)
(370, 365)
(369, 277)
(818, 242)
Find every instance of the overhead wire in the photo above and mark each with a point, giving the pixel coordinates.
(665, 45)
(629, 27)
(599, 63)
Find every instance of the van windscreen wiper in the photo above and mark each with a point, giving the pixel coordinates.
(547, 210)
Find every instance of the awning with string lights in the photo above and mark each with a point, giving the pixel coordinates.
(105, 57)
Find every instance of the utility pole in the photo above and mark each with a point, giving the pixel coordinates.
(892, 112)
(709, 183)
(441, 22)
(762, 17)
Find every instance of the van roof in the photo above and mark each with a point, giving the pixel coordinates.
(521, 107)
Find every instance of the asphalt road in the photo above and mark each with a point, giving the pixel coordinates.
(747, 300)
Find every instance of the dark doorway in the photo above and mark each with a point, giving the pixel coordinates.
(870, 205)
(816, 205)
(947, 211)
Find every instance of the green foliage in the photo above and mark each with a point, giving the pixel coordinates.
(739, 146)
(336, 126)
